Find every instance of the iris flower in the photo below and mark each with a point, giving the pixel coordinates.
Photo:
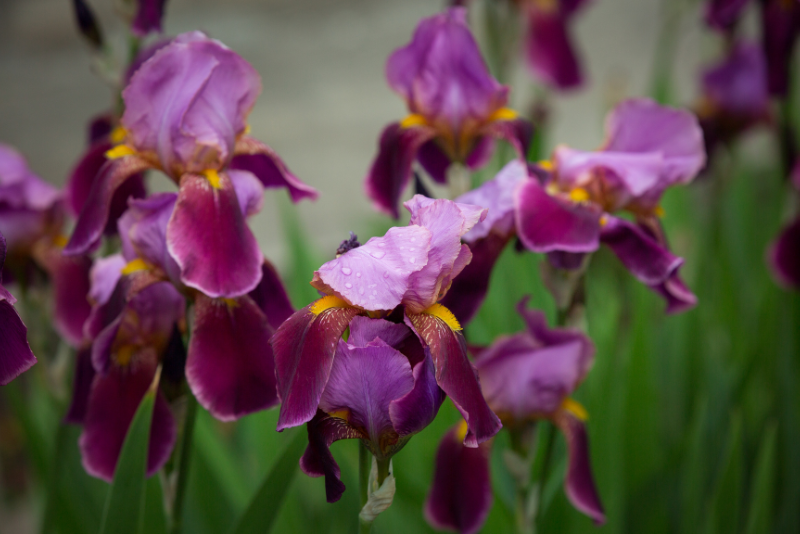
(525, 377)
(400, 276)
(456, 109)
(185, 112)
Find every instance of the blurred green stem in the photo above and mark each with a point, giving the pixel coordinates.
(183, 464)
(364, 466)
(530, 468)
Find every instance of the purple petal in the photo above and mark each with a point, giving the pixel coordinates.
(112, 405)
(364, 330)
(187, 104)
(722, 14)
(210, 240)
(104, 275)
(641, 254)
(418, 408)
(482, 151)
(249, 191)
(469, 288)
(304, 346)
(442, 75)
(81, 387)
(70, 278)
(456, 375)
(261, 161)
(363, 382)
(95, 213)
(148, 17)
(780, 23)
(579, 483)
(434, 161)
(143, 232)
(518, 132)
(739, 83)
(546, 223)
(549, 51)
(230, 366)
(15, 354)
(783, 256)
(447, 221)
(390, 171)
(677, 294)
(270, 296)
(20, 187)
(566, 261)
(496, 195)
(461, 494)
(317, 461)
(376, 275)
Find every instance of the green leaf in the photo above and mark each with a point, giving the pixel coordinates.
(762, 489)
(264, 508)
(723, 515)
(125, 505)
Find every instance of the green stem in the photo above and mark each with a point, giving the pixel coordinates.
(364, 466)
(183, 464)
(383, 471)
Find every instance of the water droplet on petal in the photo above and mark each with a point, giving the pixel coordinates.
(358, 275)
(386, 274)
(346, 270)
(411, 249)
(378, 254)
(412, 260)
(381, 244)
(361, 291)
(348, 285)
(413, 239)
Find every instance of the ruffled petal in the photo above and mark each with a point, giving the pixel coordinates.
(497, 196)
(456, 375)
(304, 346)
(210, 240)
(391, 170)
(461, 494)
(230, 366)
(260, 160)
(643, 256)
(15, 354)
(546, 223)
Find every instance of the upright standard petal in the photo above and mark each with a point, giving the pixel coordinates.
(260, 160)
(461, 494)
(304, 346)
(210, 240)
(391, 170)
(641, 254)
(455, 374)
(230, 366)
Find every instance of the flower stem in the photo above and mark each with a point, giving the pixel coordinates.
(183, 464)
(364, 465)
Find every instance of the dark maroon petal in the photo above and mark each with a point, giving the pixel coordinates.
(579, 483)
(391, 169)
(641, 254)
(100, 127)
(461, 494)
(148, 17)
(549, 52)
(317, 461)
(271, 297)
(482, 152)
(304, 346)
(95, 213)
(678, 296)
(112, 405)
(780, 24)
(15, 354)
(470, 287)
(230, 367)
(722, 14)
(546, 223)
(518, 132)
(103, 345)
(70, 278)
(3, 250)
(259, 159)
(434, 161)
(456, 375)
(417, 408)
(210, 240)
(81, 387)
(784, 256)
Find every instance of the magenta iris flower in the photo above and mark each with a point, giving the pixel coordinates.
(456, 109)
(549, 51)
(381, 389)
(15, 353)
(185, 112)
(525, 377)
(400, 276)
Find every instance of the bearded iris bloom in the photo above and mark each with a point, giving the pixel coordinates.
(400, 276)
(456, 109)
(185, 112)
(526, 377)
(15, 354)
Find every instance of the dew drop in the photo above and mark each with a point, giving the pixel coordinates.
(346, 270)
(411, 249)
(361, 291)
(412, 260)
(381, 244)
(358, 274)
(378, 254)
(348, 285)
(386, 274)
(413, 239)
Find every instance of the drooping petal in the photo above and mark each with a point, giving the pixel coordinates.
(456, 375)
(497, 196)
(210, 240)
(304, 346)
(417, 408)
(784, 256)
(375, 276)
(518, 132)
(461, 494)
(260, 160)
(482, 151)
(642, 255)
(230, 366)
(70, 278)
(391, 170)
(677, 294)
(546, 223)
(434, 160)
(579, 483)
(148, 17)
(317, 461)
(112, 405)
(549, 52)
(95, 213)
(271, 297)
(81, 387)
(15, 354)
